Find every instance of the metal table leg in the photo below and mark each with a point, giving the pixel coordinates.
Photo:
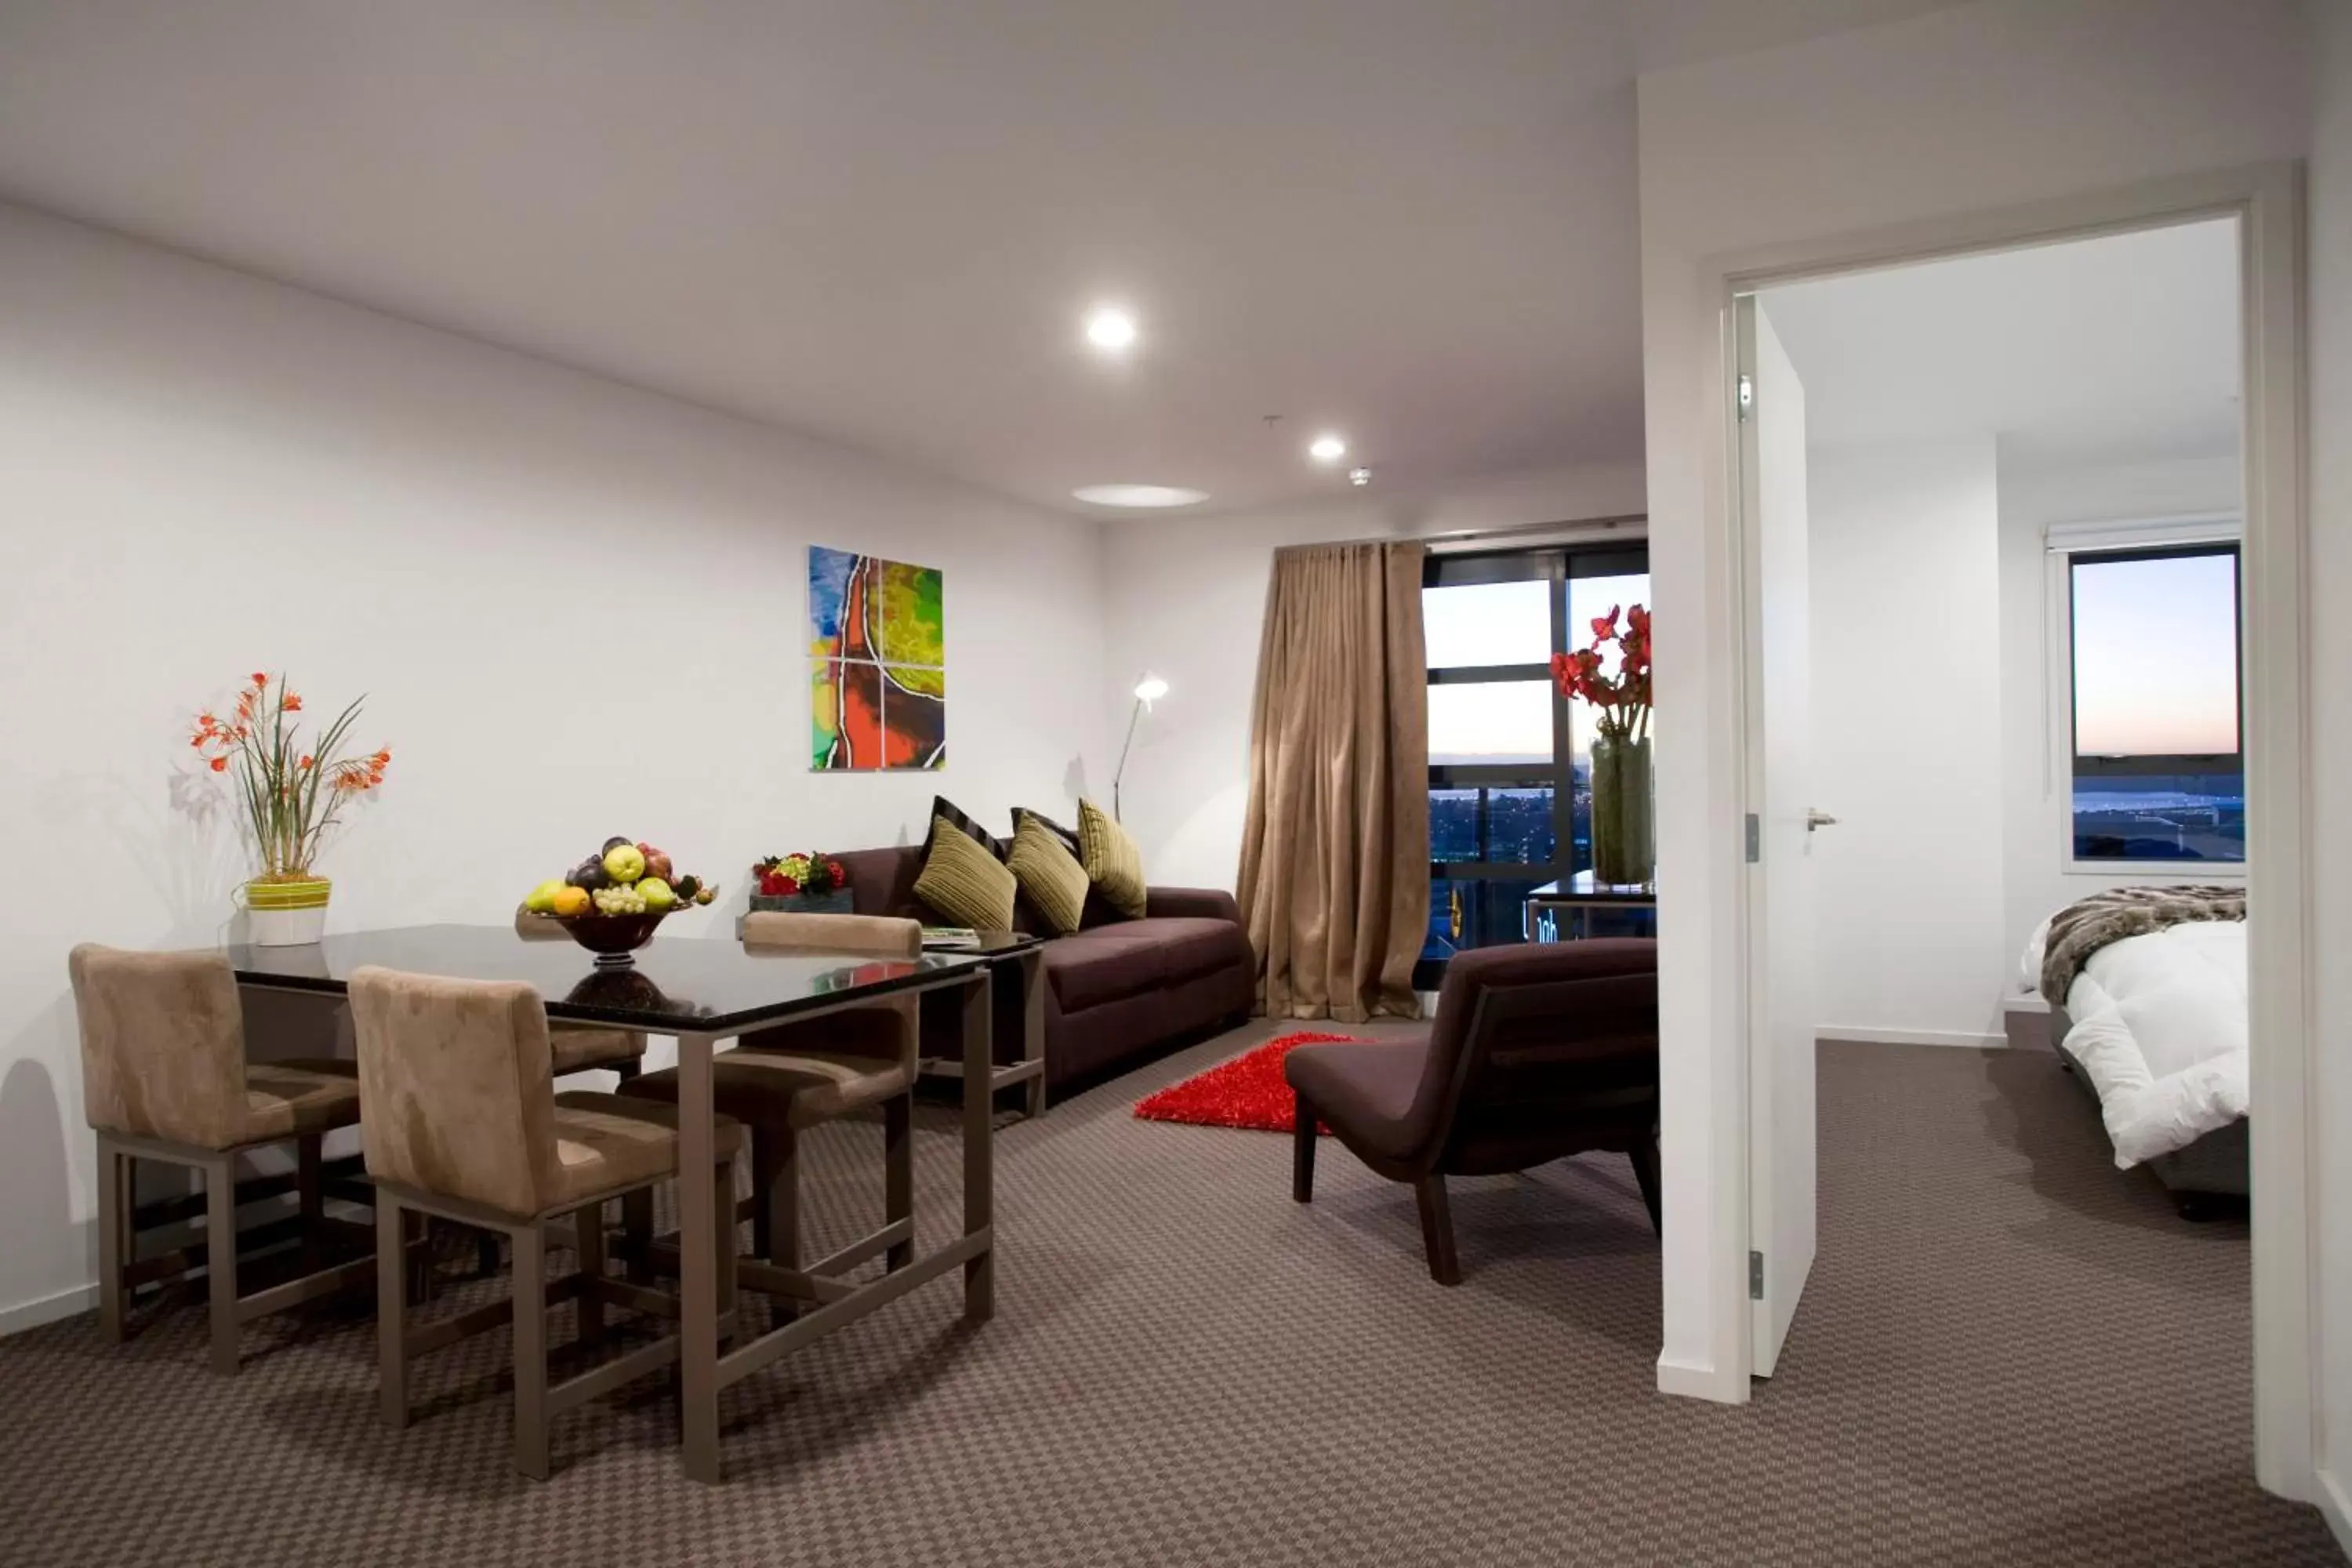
(979, 1147)
(699, 1258)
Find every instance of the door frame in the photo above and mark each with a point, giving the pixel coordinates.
(2267, 200)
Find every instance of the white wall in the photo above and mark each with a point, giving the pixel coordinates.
(575, 609)
(2037, 809)
(1982, 106)
(2330, 368)
(1186, 601)
(1906, 740)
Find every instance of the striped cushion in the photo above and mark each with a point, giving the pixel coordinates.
(1047, 872)
(965, 883)
(1113, 862)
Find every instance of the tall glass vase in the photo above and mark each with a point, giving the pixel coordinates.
(1624, 846)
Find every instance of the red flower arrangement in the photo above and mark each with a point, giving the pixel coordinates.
(1620, 701)
(781, 875)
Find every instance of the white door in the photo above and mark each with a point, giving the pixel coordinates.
(1779, 792)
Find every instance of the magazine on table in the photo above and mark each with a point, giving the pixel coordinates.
(951, 939)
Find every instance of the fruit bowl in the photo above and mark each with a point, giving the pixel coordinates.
(612, 938)
(613, 902)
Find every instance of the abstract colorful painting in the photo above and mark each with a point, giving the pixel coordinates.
(877, 663)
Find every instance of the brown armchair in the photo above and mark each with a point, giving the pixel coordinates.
(1539, 1052)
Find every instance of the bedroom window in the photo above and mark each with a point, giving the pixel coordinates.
(1510, 802)
(2159, 769)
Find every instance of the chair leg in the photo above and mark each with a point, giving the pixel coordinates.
(392, 1268)
(588, 1223)
(722, 1178)
(530, 1350)
(117, 1242)
(637, 1226)
(1437, 1229)
(1645, 1156)
(1302, 1154)
(764, 1178)
(220, 1257)
(899, 1173)
(782, 1198)
(311, 1192)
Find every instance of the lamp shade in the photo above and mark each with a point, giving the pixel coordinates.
(1150, 688)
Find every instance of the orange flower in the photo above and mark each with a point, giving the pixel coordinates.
(291, 702)
(220, 765)
(259, 679)
(306, 760)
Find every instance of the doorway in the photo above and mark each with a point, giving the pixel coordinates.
(1783, 811)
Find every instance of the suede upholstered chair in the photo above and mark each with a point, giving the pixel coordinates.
(781, 1081)
(165, 1077)
(1539, 1052)
(460, 1120)
(583, 1047)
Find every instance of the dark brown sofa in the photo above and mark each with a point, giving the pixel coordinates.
(1116, 990)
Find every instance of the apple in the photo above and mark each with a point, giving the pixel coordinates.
(542, 898)
(570, 900)
(624, 863)
(658, 864)
(657, 894)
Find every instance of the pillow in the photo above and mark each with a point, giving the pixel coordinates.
(1048, 873)
(1068, 835)
(1113, 863)
(942, 807)
(964, 882)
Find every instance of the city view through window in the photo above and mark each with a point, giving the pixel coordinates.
(2158, 770)
(1510, 802)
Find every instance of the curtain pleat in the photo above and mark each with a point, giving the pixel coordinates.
(1334, 848)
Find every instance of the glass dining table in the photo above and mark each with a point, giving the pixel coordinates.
(706, 991)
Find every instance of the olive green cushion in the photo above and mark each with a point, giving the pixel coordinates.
(1047, 872)
(964, 882)
(1113, 863)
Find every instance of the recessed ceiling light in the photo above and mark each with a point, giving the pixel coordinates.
(1327, 447)
(1111, 329)
(1139, 495)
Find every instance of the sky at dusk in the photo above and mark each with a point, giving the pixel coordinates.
(2156, 656)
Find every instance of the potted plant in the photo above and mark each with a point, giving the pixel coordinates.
(293, 793)
(1624, 846)
(808, 884)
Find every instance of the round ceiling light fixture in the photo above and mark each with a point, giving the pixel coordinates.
(1359, 477)
(1110, 329)
(1328, 447)
(1147, 497)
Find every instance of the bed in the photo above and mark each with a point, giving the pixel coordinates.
(2146, 989)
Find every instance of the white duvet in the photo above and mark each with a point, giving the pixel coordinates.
(2159, 1025)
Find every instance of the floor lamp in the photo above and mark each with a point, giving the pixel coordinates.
(1147, 690)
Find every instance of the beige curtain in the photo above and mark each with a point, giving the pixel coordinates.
(1335, 851)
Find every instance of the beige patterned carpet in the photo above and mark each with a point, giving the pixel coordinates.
(2010, 1353)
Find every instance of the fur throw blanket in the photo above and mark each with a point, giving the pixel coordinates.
(2081, 929)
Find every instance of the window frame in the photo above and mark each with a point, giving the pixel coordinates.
(1556, 565)
(2066, 546)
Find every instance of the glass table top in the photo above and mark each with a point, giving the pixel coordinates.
(702, 983)
(1581, 889)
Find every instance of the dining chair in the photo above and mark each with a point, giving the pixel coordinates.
(583, 1047)
(781, 1081)
(1539, 1051)
(165, 1077)
(459, 1120)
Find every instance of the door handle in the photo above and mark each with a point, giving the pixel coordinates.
(1815, 820)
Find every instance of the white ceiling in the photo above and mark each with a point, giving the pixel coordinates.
(2117, 350)
(879, 221)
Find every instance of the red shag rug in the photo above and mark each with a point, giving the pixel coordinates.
(1247, 1091)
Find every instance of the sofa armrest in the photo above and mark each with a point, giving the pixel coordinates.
(1190, 903)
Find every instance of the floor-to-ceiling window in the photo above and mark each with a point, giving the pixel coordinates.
(1510, 800)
